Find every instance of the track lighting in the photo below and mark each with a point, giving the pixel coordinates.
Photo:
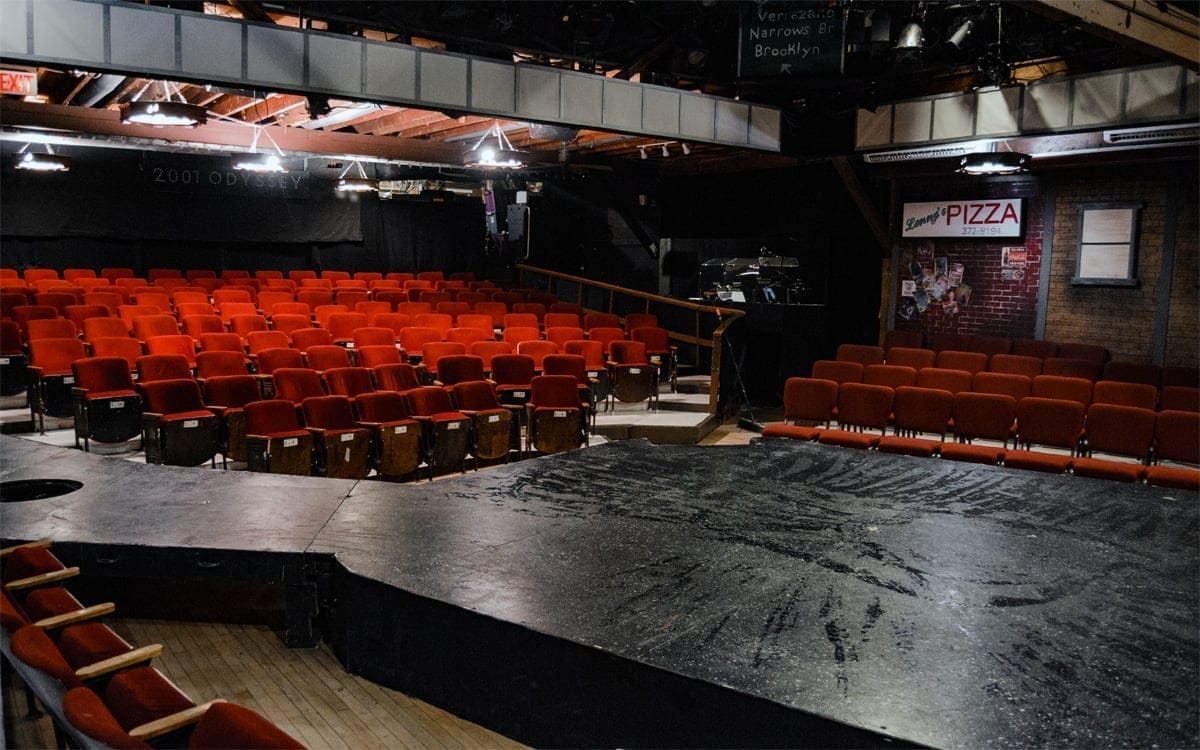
(988, 163)
(163, 113)
(38, 162)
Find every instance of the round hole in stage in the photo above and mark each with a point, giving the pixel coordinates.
(24, 490)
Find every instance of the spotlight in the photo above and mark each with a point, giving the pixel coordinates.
(686, 150)
(44, 162)
(912, 37)
(161, 114)
(1004, 162)
(666, 153)
(960, 33)
(643, 150)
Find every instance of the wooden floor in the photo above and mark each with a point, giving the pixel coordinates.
(305, 691)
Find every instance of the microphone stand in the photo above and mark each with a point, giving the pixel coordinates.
(752, 422)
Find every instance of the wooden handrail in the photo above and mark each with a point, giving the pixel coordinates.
(725, 317)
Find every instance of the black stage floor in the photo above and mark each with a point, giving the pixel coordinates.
(773, 594)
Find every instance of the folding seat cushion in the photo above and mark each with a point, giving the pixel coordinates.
(861, 407)
(222, 342)
(513, 375)
(107, 407)
(227, 396)
(288, 323)
(600, 320)
(864, 354)
(1056, 423)
(1015, 364)
(516, 334)
(177, 429)
(1059, 387)
(303, 338)
(275, 441)
(946, 341)
(1017, 386)
(954, 381)
(986, 416)
(892, 376)
(1071, 368)
(394, 433)
(659, 349)
(805, 400)
(197, 326)
(1125, 394)
(972, 362)
(342, 326)
(1132, 372)
(1179, 398)
(561, 320)
(396, 377)
(911, 357)
(990, 345)
(213, 363)
(1119, 430)
(555, 415)
(632, 378)
(342, 446)
(445, 431)
(326, 356)
(1179, 477)
(295, 384)
(560, 335)
(493, 432)
(124, 347)
(348, 381)
(271, 359)
(537, 349)
(433, 353)
(414, 338)
(180, 344)
(918, 410)
(460, 368)
(51, 376)
(838, 371)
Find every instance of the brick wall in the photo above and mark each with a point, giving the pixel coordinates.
(1119, 318)
(997, 306)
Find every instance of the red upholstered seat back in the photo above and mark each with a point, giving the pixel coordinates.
(303, 338)
(152, 367)
(231, 390)
(1125, 394)
(328, 412)
(591, 351)
(1050, 421)
(554, 392)
(270, 360)
(971, 362)
(381, 406)
(118, 346)
(1059, 387)
(809, 399)
(512, 369)
(863, 405)
(373, 355)
(271, 417)
(475, 395)
(864, 354)
(372, 336)
(628, 353)
(401, 377)
(211, 364)
(892, 376)
(172, 396)
(98, 374)
(1124, 430)
(566, 364)
(984, 415)
(429, 400)
(1017, 386)
(349, 381)
(947, 380)
(55, 356)
(922, 409)
(460, 368)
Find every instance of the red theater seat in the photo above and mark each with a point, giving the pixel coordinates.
(275, 441)
(177, 428)
(861, 407)
(808, 405)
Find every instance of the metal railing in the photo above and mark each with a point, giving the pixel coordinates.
(698, 328)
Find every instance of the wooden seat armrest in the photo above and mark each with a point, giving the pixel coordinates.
(42, 579)
(422, 418)
(79, 615)
(218, 410)
(156, 416)
(438, 383)
(34, 371)
(39, 544)
(77, 392)
(121, 661)
(316, 431)
(174, 721)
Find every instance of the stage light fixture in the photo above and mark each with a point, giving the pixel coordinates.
(359, 184)
(912, 37)
(502, 155)
(161, 114)
(256, 162)
(994, 163)
(38, 162)
(960, 33)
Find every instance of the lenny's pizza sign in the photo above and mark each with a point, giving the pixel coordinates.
(982, 218)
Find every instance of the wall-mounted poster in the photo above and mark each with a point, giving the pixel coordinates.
(1013, 257)
(907, 288)
(1001, 217)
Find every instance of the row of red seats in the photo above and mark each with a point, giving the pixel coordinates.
(1077, 367)
(812, 404)
(113, 696)
(986, 344)
(154, 274)
(1014, 384)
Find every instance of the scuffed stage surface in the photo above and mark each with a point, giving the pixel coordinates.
(939, 603)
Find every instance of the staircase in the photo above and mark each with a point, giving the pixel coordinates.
(682, 418)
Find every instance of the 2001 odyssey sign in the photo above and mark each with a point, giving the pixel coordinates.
(982, 218)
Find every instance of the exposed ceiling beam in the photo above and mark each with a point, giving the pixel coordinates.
(1146, 26)
(107, 122)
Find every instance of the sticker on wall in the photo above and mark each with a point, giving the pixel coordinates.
(1012, 274)
(956, 273)
(907, 288)
(1013, 257)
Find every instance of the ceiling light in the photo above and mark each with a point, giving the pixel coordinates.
(360, 184)
(256, 162)
(500, 155)
(48, 162)
(988, 163)
(161, 114)
(959, 34)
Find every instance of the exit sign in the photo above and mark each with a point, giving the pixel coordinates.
(20, 82)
